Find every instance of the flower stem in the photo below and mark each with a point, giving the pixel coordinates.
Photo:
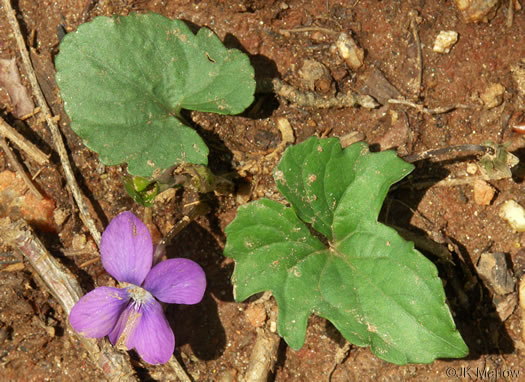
(197, 210)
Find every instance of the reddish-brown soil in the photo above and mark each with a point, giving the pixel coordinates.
(215, 338)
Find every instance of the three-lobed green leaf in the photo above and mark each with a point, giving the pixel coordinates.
(356, 272)
(125, 79)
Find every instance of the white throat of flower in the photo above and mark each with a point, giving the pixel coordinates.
(139, 296)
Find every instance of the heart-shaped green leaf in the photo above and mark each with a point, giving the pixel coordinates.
(125, 79)
(356, 272)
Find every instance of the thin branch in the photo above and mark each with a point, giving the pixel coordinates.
(19, 169)
(308, 29)
(263, 356)
(30, 149)
(55, 132)
(65, 288)
(447, 150)
(447, 182)
(179, 371)
(340, 356)
(426, 244)
(423, 109)
(415, 35)
(199, 209)
(510, 14)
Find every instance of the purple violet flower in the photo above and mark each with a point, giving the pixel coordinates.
(131, 316)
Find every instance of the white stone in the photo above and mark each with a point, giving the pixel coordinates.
(514, 214)
(444, 41)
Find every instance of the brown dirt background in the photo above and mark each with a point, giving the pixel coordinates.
(215, 338)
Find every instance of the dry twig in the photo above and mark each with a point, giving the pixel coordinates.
(340, 356)
(308, 29)
(423, 109)
(179, 371)
(199, 209)
(264, 352)
(510, 14)
(30, 149)
(55, 132)
(428, 154)
(19, 169)
(263, 356)
(426, 244)
(415, 35)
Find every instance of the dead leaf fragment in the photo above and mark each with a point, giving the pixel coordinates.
(376, 85)
(396, 137)
(10, 80)
(16, 202)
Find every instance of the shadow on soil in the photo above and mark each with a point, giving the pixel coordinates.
(469, 299)
(199, 325)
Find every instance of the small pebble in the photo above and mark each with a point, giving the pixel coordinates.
(60, 215)
(445, 40)
(256, 315)
(349, 51)
(483, 192)
(477, 10)
(50, 331)
(318, 37)
(493, 95)
(505, 305)
(494, 270)
(79, 241)
(514, 214)
(472, 168)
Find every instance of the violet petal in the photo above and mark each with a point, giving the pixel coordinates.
(126, 249)
(153, 337)
(176, 281)
(126, 324)
(97, 312)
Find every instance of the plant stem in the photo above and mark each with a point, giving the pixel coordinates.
(199, 209)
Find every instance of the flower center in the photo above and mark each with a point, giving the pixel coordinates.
(139, 295)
